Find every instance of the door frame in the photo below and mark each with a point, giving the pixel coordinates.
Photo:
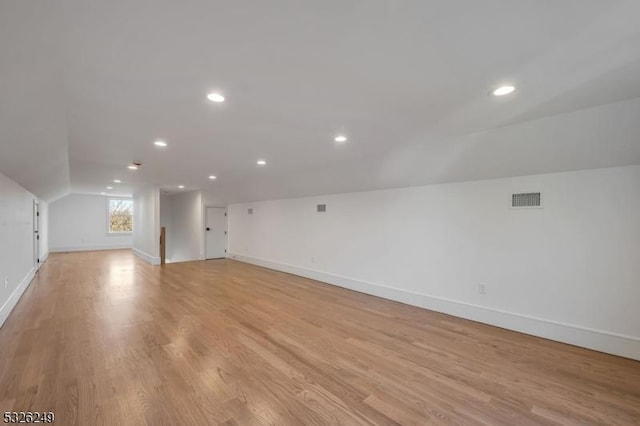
(36, 235)
(204, 230)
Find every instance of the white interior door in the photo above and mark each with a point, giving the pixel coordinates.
(216, 232)
(36, 235)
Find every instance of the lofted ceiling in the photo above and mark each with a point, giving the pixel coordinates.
(87, 86)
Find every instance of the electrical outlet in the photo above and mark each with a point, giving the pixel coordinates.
(482, 289)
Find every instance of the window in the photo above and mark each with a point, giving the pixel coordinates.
(119, 215)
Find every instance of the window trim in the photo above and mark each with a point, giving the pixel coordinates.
(107, 213)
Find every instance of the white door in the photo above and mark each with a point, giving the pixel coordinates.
(36, 235)
(216, 232)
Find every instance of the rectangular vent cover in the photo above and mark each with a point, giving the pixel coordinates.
(321, 208)
(250, 211)
(526, 200)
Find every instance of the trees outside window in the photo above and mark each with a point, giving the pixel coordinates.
(120, 215)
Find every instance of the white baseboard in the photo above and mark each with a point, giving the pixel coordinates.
(44, 257)
(603, 341)
(181, 260)
(90, 248)
(12, 301)
(147, 257)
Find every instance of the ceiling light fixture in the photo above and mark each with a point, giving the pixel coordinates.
(212, 177)
(340, 138)
(133, 167)
(160, 143)
(503, 90)
(109, 187)
(261, 162)
(117, 181)
(180, 186)
(215, 97)
(103, 193)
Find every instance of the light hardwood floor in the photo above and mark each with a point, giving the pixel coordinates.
(104, 338)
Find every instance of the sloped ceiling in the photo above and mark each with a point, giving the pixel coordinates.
(88, 86)
(33, 130)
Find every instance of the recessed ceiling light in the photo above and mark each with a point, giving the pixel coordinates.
(261, 162)
(160, 143)
(133, 167)
(109, 187)
(340, 138)
(215, 97)
(117, 181)
(180, 186)
(503, 90)
(212, 177)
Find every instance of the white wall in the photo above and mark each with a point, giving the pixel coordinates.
(213, 198)
(44, 230)
(16, 243)
(568, 272)
(79, 222)
(146, 224)
(182, 214)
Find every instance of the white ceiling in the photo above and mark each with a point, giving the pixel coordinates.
(88, 86)
(33, 130)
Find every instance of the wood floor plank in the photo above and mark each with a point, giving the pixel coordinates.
(104, 338)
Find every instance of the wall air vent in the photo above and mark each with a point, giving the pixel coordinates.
(526, 200)
(249, 211)
(321, 208)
